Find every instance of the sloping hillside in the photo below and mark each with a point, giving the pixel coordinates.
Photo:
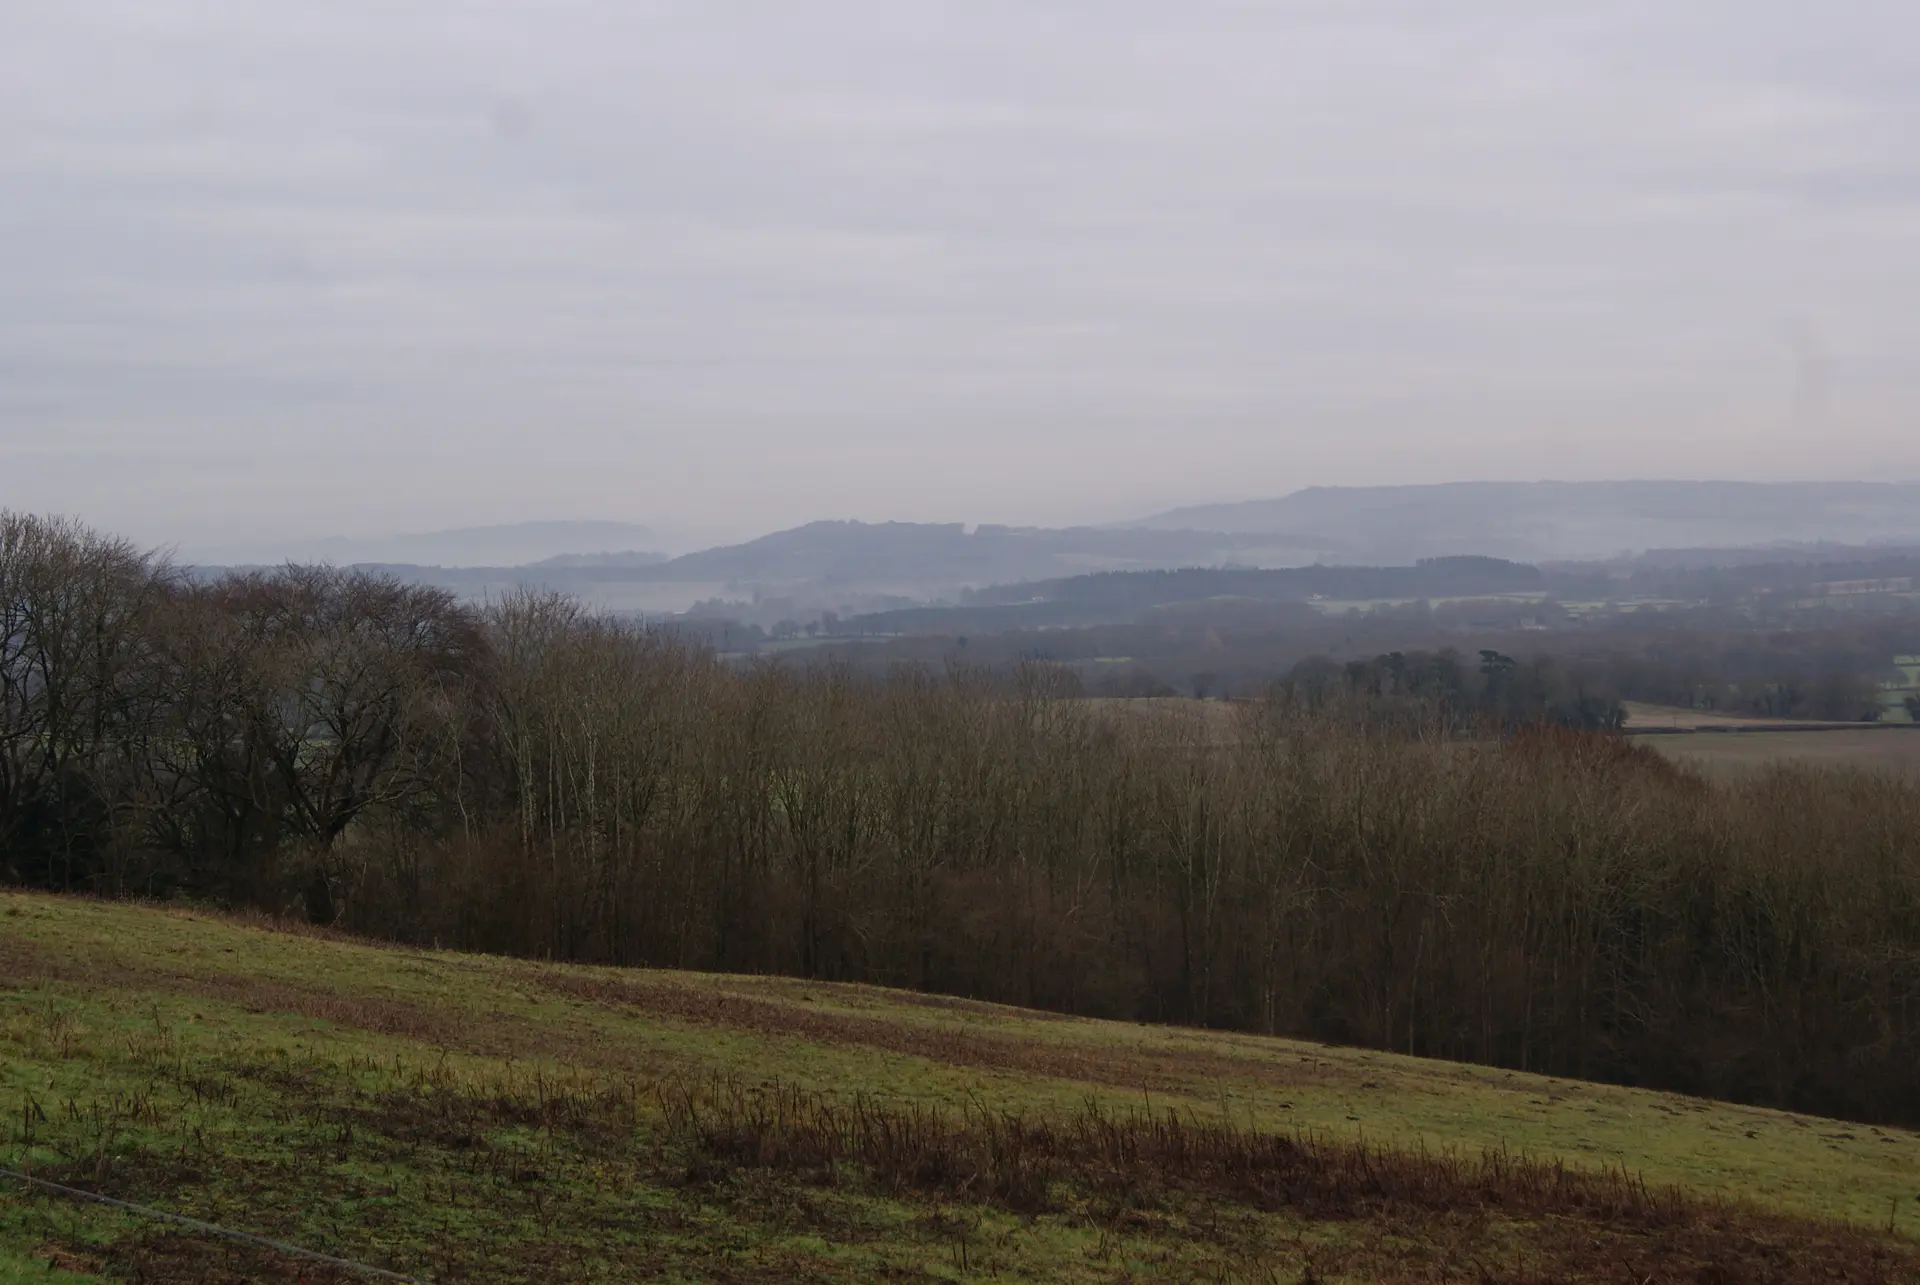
(459, 1118)
(904, 554)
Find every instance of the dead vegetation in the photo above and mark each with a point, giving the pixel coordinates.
(520, 1175)
(1116, 1169)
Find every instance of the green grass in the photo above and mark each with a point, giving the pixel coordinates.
(470, 1118)
(32, 1269)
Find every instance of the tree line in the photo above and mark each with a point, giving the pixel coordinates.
(534, 779)
(1816, 664)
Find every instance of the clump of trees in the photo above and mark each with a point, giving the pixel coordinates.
(161, 734)
(534, 779)
(1494, 692)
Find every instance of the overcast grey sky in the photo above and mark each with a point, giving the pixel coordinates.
(721, 266)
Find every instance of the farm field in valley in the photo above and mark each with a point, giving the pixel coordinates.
(465, 1118)
(1644, 717)
(1723, 754)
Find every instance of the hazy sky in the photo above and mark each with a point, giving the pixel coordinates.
(277, 269)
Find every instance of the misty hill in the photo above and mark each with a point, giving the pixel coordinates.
(823, 565)
(1535, 521)
(1434, 578)
(947, 555)
(514, 545)
(571, 561)
(1116, 596)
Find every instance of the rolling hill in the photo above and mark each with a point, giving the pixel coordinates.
(949, 555)
(462, 1118)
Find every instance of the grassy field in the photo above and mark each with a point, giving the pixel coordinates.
(1725, 754)
(1641, 716)
(458, 1118)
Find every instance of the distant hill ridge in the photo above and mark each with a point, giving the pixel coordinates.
(1534, 521)
(947, 553)
(1431, 578)
(1389, 526)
